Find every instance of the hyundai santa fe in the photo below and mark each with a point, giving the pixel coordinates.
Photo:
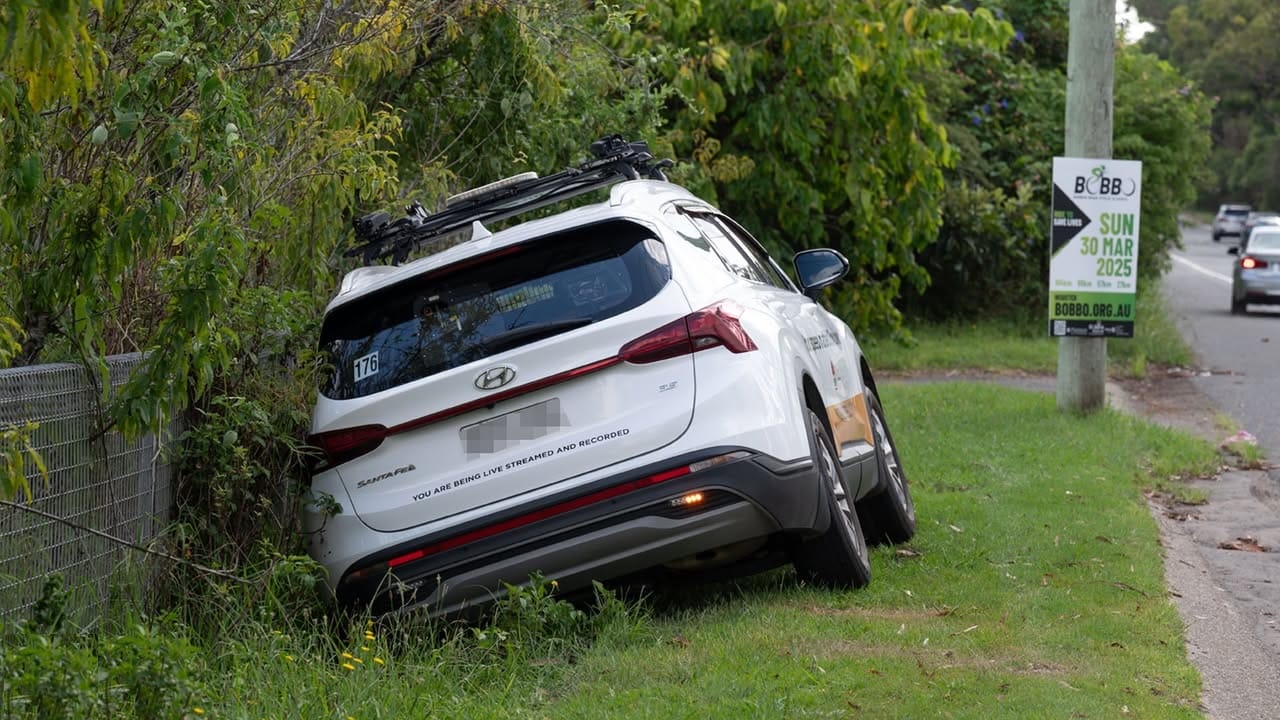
(623, 388)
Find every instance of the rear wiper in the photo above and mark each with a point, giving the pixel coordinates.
(528, 333)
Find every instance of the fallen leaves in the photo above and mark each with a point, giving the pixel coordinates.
(1245, 544)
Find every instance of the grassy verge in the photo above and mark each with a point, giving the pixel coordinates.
(1033, 589)
(1022, 344)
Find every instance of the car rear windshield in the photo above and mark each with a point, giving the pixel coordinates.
(1264, 241)
(462, 313)
(1237, 212)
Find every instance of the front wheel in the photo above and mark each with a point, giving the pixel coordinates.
(889, 516)
(838, 557)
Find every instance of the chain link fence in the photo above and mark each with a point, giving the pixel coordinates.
(94, 480)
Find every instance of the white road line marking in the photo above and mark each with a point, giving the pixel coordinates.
(1202, 270)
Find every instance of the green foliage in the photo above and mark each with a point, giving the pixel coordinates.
(1004, 113)
(519, 90)
(988, 258)
(48, 670)
(234, 466)
(10, 340)
(17, 459)
(1228, 48)
(1160, 119)
(810, 122)
(192, 163)
(529, 619)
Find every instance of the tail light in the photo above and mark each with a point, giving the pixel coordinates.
(339, 446)
(713, 326)
(1248, 262)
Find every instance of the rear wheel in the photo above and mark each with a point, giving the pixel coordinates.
(890, 516)
(838, 557)
(1237, 306)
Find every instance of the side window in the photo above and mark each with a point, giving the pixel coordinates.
(773, 274)
(733, 256)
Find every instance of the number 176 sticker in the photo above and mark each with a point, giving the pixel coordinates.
(365, 366)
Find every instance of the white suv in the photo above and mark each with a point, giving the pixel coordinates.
(626, 389)
(1229, 221)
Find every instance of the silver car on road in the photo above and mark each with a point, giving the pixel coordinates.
(1256, 276)
(1229, 221)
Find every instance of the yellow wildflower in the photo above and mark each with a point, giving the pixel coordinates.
(364, 648)
(357, 661)
(349, 666)
(378, 661)
(198, 711)
(369, 636)
(554, 584)
(288, 657)
(347, 656)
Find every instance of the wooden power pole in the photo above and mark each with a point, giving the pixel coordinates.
(1091, 61)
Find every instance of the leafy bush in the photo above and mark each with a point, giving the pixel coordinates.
(1005, 114)
(812, 123)
(49, 670)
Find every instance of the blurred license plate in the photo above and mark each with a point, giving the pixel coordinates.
(508, 431)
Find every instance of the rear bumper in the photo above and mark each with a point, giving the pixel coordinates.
(1259, 287)
(626, 533)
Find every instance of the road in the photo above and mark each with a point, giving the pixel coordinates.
(1229, 599)
(1241, 351)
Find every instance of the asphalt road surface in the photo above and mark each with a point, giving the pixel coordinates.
(1242, 352)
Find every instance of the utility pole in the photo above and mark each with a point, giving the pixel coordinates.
(1091, 61)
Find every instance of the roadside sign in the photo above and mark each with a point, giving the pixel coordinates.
(1093, 245)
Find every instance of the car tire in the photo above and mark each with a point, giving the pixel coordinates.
(1238, 306)
(1217, 237)
(889, 516)
(839, 556)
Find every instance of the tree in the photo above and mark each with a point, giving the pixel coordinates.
(180, 179)
(1228, 48)
(1004, 112)
(810, 121)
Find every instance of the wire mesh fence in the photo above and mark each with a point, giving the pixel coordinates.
(94, 479)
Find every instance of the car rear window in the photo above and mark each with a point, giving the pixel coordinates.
(1236, 212)
(1264, 241)
(471, 310)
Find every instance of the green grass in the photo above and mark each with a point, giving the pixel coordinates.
(1033, 589)
(988, 344)
(1004, 344)
(1037, 590)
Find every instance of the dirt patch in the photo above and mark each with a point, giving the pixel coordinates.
(894, 614)
(1168, 397)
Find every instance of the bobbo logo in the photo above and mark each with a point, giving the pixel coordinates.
(1097, 183)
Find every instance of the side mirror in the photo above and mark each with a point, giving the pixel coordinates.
(1233, 250)
(819, 268)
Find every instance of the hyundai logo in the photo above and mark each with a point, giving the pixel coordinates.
(496, 377)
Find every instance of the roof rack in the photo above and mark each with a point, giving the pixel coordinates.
(616, 160)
